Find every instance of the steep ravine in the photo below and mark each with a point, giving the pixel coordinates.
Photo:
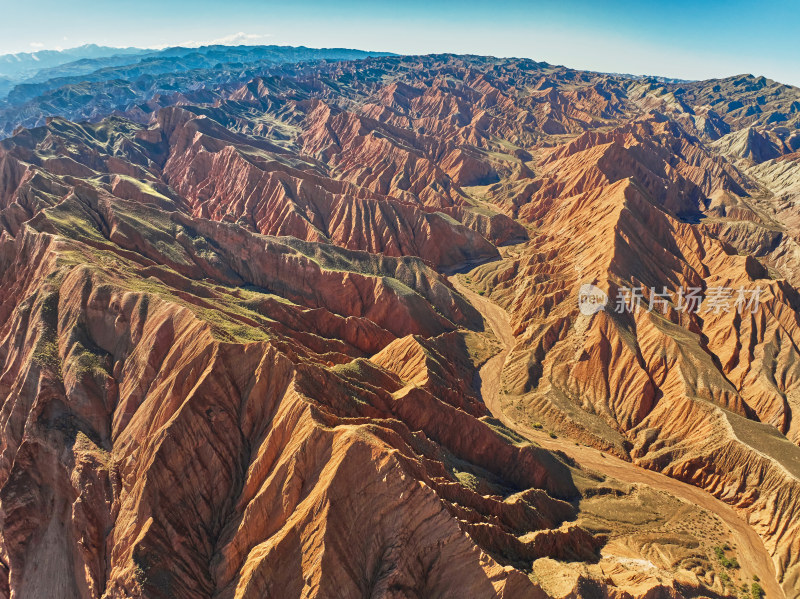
(750, 546)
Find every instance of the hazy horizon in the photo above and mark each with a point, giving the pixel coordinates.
(703, 40)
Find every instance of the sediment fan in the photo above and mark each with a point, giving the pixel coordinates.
(318, 334)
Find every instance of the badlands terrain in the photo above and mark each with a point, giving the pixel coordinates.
(314, 332)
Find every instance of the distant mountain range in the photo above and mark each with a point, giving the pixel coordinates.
(26, 64)
(91, 82)
(21, 66)
(653, 78)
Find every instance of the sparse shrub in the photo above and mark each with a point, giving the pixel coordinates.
(756, 592)
(723, 559)
(553, 435)
(537, 425)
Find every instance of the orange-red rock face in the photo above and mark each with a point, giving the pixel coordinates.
(231, 364)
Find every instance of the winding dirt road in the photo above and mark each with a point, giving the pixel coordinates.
(750, 548)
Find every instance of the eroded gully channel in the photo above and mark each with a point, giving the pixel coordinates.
(750, 547)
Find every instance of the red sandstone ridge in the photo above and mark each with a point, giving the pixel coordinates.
(235, 360)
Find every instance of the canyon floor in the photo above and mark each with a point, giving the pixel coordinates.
(750, 548)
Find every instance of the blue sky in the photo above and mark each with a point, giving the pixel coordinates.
(679, 39)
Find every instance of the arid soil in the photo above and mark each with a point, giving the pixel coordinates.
(750, 547)
(234, 364)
